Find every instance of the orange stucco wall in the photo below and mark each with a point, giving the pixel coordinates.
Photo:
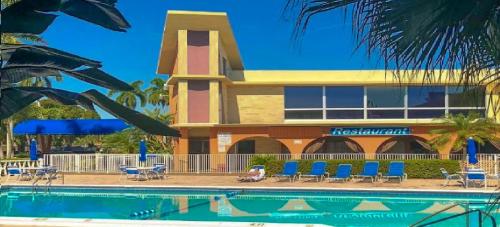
(298, 137)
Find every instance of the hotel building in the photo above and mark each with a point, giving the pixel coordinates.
(221, 108)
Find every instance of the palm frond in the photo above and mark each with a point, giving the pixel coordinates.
(34, 16)
(427, 35)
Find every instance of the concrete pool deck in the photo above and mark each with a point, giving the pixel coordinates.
(231, 181)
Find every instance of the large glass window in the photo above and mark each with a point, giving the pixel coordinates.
(344, 114)
(303, 97)
(381, 102)
(380, 97)
(459, 96)
(426, 96)
(344, 97)
(425, 113)
(303, 114)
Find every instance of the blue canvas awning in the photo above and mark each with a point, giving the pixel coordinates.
(70, 127)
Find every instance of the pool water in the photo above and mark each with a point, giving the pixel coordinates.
(337, 208)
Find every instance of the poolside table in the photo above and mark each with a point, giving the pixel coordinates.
(145, 169)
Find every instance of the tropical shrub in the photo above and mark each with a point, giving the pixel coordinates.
(426, 169)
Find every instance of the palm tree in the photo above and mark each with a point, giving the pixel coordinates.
(460, 127)
(129, 98)
(19, 62)
(422, 35)
(157, 95)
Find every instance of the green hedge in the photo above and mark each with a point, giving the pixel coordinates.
(427, 169)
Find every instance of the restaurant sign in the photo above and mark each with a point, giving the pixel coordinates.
(370, 131)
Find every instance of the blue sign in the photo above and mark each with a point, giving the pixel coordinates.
(370, 131)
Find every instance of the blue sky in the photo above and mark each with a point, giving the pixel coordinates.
(263, 34)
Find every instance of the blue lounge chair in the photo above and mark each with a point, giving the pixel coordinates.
(134, 173)
(318, 171)
(343, 173)
(370, 170)
(396, 170)
(123, 170)
(289, 171)
(158, 171)
(475, 177)
(17, 172)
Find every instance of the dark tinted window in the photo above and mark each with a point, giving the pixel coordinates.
(466, 97)
(386, 114)
(303, 114)
(344, 114)
(344, 97)
(303, 97)
(467, 111)
(385, 96)
(426, 96)
(425, 113)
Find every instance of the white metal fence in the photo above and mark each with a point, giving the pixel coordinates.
(18, 163)
(225, 163)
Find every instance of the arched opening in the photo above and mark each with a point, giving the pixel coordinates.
(489, 147)
(258, 145)
(241, 153)
(405, 145)
(333, 145)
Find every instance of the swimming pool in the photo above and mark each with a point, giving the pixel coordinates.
(330, 207)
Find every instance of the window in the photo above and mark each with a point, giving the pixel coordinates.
(344, 97)
(426, 101)
(381, 102)
(465, 100)
(303, 97)
(385, 97)
(344, 102)
(303, 103)
(303, 114)
(426, 96)
(385, 102)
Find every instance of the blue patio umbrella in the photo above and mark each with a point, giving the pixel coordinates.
(33, 155)
(142, 151)
(471, 150)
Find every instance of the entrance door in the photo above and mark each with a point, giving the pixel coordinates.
(199, 155)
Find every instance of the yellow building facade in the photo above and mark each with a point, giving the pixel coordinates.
(221, 108)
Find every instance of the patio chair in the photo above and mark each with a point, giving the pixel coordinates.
(289, 171)
(343, 173)
(476, 177)
(16, 171)
(396, 170)
(135, 174)
(256, 173)
(318, 171)
(448, 177)
(42, 173)
(123, 170)
(51, 172)
(158, 171)
(370, 170)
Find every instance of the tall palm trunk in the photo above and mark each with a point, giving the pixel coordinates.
(10, 138)
(1, 150)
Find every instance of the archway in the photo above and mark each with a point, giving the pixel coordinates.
(489, 147)
(258, 145)
(240, 154)
(405, 145)
(333, 145)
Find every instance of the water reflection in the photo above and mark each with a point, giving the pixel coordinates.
(337, 209)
